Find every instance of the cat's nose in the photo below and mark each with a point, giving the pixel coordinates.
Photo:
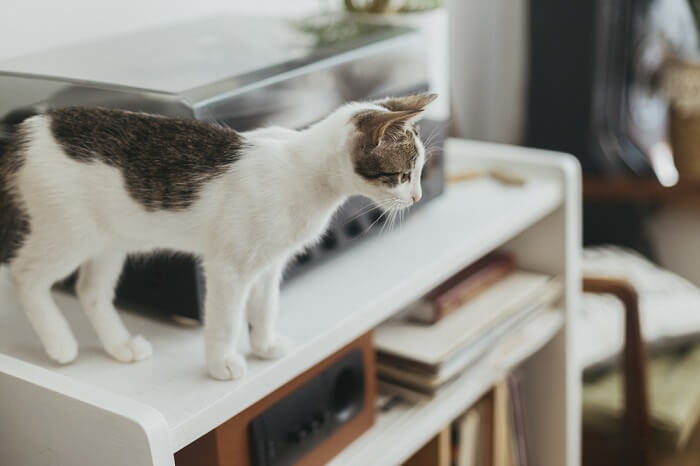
(416, 197)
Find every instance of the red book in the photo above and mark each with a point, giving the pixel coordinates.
(462, 287)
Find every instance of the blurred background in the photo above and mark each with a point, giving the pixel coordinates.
(614, 82)
(585, 77)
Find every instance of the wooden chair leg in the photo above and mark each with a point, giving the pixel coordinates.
(637, 448)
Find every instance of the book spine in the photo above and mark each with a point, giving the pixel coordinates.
(423, 311)
(518, 421)
(470, 288)
(432, 308)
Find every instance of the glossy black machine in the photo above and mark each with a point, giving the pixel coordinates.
(246, 73)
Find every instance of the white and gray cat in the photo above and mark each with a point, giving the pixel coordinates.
(84, 187)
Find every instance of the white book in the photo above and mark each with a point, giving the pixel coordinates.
(433, 345)
(469, 438)
(471, 353)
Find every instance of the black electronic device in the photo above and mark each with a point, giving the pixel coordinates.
(305, 422)
(296, 424)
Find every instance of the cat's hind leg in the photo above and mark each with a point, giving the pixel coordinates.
(262, 307)
(97, 280)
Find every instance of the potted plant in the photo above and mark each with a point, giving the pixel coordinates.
(391, 6)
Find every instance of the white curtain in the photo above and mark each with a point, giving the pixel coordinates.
(488, 68)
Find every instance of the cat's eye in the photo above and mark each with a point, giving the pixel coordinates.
(405, 177)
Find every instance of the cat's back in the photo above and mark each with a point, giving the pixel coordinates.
(164, 162)
(119, 137)
(141, 142)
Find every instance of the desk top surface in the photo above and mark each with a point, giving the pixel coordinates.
(321, 311)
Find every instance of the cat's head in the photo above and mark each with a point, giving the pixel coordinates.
(386, 151)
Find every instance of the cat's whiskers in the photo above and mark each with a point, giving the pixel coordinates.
(370, 208)
(385, 227)
(378, 219)
(397, 206)
(429, 139)
(432, 151)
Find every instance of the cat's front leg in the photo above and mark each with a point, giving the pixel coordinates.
(226, 292)
(95, 288)
(263, 305)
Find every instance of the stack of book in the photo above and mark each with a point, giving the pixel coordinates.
(435, 339)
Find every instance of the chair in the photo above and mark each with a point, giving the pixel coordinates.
(634, 444)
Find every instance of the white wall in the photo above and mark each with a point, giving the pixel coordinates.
(28, 26)
(488, 68)
(487, 60)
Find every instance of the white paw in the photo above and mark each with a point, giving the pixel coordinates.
(274, 349)
(63, 350)
(136, 348)
(232, 366)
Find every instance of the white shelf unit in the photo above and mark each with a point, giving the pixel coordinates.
(97, 411)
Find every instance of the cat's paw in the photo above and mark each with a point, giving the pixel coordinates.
(274, 349)
(230, 367)
(136, 348)
(63, 350)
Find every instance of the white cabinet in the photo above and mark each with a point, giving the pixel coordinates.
(97, 411)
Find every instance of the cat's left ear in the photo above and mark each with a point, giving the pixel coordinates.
(378, 124)
(416, 102)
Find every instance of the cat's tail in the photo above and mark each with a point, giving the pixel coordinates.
(9, 124)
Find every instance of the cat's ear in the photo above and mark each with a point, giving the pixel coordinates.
(379, 125)
(410, 102)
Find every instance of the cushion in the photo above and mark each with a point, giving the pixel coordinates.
(669, 306)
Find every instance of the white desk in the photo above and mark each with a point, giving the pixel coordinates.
(97, 411)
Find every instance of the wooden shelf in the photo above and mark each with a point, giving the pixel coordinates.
(635, 189)
(162, 404)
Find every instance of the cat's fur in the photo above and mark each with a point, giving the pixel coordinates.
(85, 187)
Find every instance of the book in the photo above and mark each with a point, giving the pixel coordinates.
(468, 438)
(517, 418)
(502, 455)
(429, 348)
(461, 287)
(429, 379)
(482, 452)
(388, 388)
(437, 452)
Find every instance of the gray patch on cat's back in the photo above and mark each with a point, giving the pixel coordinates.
(14, 218)
(165, 162)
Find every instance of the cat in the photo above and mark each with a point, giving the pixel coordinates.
(80, 188)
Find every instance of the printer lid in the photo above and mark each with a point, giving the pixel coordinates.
(179, 58)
